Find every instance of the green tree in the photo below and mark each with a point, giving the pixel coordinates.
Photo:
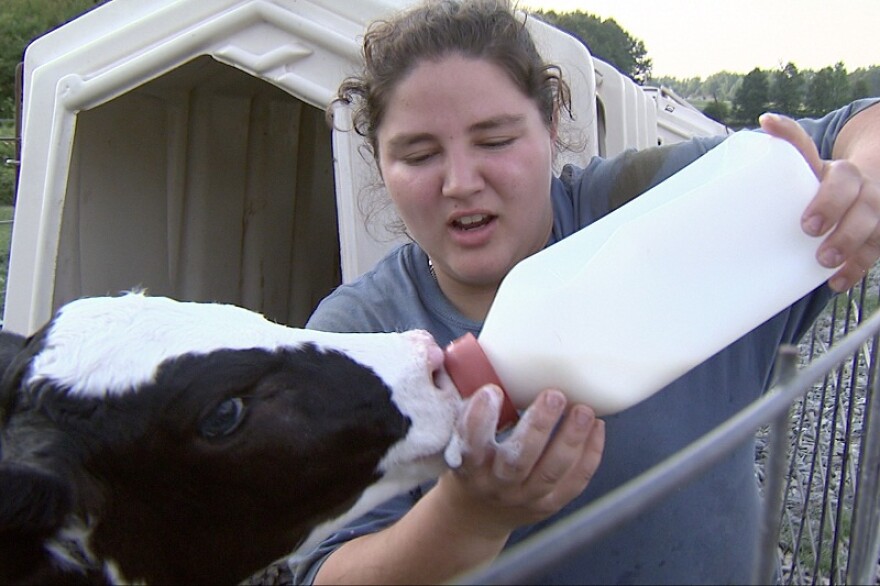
(819, 92)
(787, 90)
(21, 21)
(866, 77)
(605, 40)
(840, 88)
(722, 85)
(753, 98)
(860, 89)
(718, 111)
(690, 87)
(828, 89)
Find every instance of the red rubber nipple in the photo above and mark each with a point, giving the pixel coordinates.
(470, 369)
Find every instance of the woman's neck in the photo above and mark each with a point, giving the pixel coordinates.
(473, 302)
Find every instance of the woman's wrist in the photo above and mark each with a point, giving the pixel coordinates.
(466, 515)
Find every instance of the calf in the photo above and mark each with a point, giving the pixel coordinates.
(146, 439)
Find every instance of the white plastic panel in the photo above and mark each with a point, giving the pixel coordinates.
(677, 120)
(630, 119)
(647, 120)
(611, 103)
(578, 69)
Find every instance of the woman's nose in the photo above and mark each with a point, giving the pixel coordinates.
(462, 176)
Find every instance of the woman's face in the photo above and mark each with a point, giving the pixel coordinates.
(467, 160)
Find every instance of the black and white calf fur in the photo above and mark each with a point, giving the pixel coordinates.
(146, 439)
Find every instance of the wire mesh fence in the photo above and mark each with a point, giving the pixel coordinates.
(828, 519)
(9, 153)
(10, 161)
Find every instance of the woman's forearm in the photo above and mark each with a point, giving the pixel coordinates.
(433, 543)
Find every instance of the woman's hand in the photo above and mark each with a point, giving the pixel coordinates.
(533, 472)
(846, 209)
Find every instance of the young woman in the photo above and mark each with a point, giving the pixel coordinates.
(461, 115)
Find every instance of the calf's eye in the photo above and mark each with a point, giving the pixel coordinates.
(224, 419)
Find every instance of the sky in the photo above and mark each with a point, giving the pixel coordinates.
(696, 38)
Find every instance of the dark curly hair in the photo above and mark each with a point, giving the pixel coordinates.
(482, 29)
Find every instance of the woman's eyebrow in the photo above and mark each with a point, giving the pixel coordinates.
(406, 140)
(498, 121)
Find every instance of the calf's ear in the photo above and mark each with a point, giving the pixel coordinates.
(10, 345)
(33, 505)
(12, 364)
(32, 500)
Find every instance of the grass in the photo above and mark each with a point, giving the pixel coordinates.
(5, 237)
(7, 182)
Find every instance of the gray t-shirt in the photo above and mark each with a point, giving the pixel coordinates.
(705, 531)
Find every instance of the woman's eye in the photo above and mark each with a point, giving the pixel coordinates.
(417, 158)
(498, 142)
(224, 419)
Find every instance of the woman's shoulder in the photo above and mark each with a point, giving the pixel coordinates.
(373, 301)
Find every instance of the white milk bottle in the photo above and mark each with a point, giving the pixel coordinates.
(613, 313)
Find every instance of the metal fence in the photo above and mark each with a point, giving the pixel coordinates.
(818, 464)
(8, 165)
(829, 522)
(10, 153)
(14, 138)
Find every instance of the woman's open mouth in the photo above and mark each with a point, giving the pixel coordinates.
(471, 222)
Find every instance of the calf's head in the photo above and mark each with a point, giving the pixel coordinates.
(146, 439)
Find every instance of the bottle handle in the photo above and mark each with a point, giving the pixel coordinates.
(470, 369)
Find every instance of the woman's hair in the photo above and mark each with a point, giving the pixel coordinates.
(480, 29)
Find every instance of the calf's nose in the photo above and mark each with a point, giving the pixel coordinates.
(433, 353)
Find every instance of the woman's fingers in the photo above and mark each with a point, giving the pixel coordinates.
(570, 462)
(786, 128)
(551, 458)
(476, 427)
(845, 209)
(850, 207)
(516, 456)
